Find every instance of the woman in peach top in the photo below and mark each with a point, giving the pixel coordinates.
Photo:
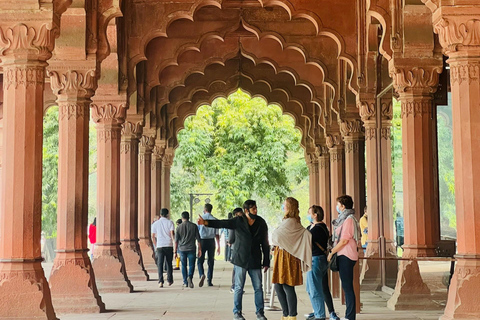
(346, 235)
(292, 256)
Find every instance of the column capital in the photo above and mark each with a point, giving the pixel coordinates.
(20, 41)
(67, 83)
(109, 113)
(333, 140)
(158, 152)
(132, 130)
(351, 128)
(366, 103)
(408, 79)
(168, 157)
(458, 29)
(146, 144)
(311, 158)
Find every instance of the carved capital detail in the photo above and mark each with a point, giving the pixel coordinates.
(22, 40)
(25, 76)
(366, 110)
(464, 72)
(109, 113)
(351, 127)
(453, 33)
(146, 144)
(387, 109)
(168, 159)
(132, 129)
(72, 110)
(158, 152)
(336, 155)
(333, 140)
(411, 79)
(107, 134)
(352, 146)
(311, 158)
(416, 108)
(386, 133)
(77, 83)
(370, 133)
(128, 146)
(324, 162)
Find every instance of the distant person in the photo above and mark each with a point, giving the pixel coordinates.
(231, 242)
(208, 237)
(226, 234)
(364, 227)
(346, 236)
(251, 254)
(92, 235)
(177, 256)
(185, 237)
(292, 256)
(163, 233)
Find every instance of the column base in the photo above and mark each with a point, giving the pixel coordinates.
(133, 261)
(148, 257)
(73, 286)
(462, 300)
(411, 293)
(335, 284)
(110, 270)
(24, 292)
(371, 275)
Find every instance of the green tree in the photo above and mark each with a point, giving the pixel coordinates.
(238, 148)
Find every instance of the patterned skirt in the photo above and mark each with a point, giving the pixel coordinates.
(286, 268)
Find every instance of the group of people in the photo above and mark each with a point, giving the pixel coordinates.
(295, 250)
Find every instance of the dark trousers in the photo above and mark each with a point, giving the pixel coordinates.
(326, 293)
(208, 245)
(288, 299)
(165, 254)
(345, 266)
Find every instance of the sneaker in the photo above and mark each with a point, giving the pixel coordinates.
(238, 316)
(190, 283)
(333, 316)
(184, 285)
(202, 280)
(232, 290)
(309, 316)
(343, 319)
(176, 268)
(261, 316)
(210, 284)
(160, 284)
(170, 284)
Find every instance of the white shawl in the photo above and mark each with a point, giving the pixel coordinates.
(296, 240)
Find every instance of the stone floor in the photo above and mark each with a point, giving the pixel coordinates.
(215, 303)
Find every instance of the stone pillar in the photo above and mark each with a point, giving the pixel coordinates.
(379, 191)
(157, 156)
(457, 27)
(337, 187)
(108, 259)
(415, 86)
(72, 280)
(166, 166)
(24, 291)
(324, 196)
(144, 205)
(129, 201)
(353, 136)
(312, 164)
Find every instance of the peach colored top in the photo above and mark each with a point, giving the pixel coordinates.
(350, 249)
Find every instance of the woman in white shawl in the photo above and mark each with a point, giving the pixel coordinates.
(292, 255)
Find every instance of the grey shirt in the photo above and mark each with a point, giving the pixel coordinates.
(186, 235)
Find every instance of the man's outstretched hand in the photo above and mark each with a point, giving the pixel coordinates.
(200, 221)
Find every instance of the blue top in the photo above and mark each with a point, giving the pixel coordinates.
(206, 232)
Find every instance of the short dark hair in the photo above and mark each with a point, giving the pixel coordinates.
(185, 215)
(164, 212)
(230, 215)
(249, 204)
(318, 211)
(179, 221)
(346, 200)
(237, 210)
(208, 207)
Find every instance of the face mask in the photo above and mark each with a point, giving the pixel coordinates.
(283, 207)
(309, 218)
(338, 210)
(252, 216)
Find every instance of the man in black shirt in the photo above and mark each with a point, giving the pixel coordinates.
(251, 241)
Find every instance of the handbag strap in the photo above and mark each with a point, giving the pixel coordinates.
(321, 248)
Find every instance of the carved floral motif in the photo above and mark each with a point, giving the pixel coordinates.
(333, 140)
(352, 146)
(109, 113)
(350, 127)
(366, 110)
(452, 34)
(416, 108)
(467, 72)
(73, 82)
(69, 110)
(370, 133)
(132, 129)
(23, 76)
(406, 79)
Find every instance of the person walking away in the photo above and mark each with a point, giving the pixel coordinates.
(292, 255)
(346, 235)
(208, 237)
(177, 256)
(92, 235)
(364, 228)
(163, 233)
(185, 237)
(251, 253)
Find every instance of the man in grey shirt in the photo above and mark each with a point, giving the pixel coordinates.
(187, 233)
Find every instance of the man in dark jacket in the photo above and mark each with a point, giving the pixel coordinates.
(251, 241)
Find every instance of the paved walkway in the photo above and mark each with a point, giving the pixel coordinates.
(215, 303)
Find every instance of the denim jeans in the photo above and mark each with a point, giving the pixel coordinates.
(287, 298)
(208, 245)
(345, 266)
(190, 255)
(256, 277)
(315, 285)
(165, 254)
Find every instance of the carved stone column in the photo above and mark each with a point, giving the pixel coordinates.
(312, 164)
(458, 29)
(415, 86)
(337, 187)
(157, 157)
(23, 52)
(354, 138)
(166, 166)
(144, 205)
(72, 280)
(324, 195)
(129, 201)
(108, 259)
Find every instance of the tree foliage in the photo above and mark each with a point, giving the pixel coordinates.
(237, 148)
